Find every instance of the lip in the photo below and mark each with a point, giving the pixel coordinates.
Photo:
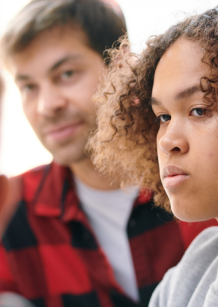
(173, 176)
(62, 132)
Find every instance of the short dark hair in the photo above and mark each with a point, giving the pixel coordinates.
(100, 20)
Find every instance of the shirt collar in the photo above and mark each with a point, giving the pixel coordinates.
(55, 196)
(145, 196)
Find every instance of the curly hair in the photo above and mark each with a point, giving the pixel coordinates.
(124, 143)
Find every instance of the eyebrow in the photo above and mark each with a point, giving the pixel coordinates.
(188, 92)
(64, 60)
(183, 94)
(55, 66)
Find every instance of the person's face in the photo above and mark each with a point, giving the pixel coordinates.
(57, 75)
(187, 140)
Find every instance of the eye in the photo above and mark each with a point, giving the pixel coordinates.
(28, 88)
(198, 112)
(163, 118)
(67, 74)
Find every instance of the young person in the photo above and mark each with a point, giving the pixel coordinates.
(166, 100)
(69, 236)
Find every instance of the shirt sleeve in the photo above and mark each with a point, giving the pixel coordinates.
(194, 281)
(7, 279)
(212, 295)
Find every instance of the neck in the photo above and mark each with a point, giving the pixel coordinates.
(86, 172)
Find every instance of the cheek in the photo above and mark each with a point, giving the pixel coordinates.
(204, 158)
(83, 103)
(210, 155)
(160, 153)
(31, 114)
(27, 110)
(82, 99)
(211, 158)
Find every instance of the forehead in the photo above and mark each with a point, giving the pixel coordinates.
(51, 45)
(180, 67)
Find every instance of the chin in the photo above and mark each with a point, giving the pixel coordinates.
(68, 160)
(185, 210)
(69, 153)
(190, 211)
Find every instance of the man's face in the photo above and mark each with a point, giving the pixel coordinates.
(187, 140)
(57, 75)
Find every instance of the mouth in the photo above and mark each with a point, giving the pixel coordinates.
(173, 176)
(60, 133)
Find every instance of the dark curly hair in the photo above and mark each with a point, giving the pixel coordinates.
(124, 143)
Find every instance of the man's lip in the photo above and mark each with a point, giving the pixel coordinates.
(62, 132)
(173, 170)
(58, 128)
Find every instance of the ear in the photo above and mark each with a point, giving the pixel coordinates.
(3, 190)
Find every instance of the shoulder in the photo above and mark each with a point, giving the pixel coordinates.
(25, 185)
(197, 270)
(21, 188)
(200, 254)
(34, 174)
(205, 243)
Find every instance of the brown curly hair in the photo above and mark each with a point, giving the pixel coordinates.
(124, 143)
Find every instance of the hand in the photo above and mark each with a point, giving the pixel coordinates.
(3, 190)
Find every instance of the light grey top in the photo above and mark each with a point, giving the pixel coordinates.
(194, 281)
(9, 299)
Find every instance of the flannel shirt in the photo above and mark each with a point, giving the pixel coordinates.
(49, 253)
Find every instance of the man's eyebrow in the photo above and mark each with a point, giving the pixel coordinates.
(55, 66)
(22, 78)
(64, 60)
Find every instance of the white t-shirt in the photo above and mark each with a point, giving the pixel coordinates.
(108, 213)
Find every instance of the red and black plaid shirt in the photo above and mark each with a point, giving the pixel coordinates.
(49, 253)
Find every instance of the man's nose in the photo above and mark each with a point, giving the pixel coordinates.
(174, 140)
(50, 100)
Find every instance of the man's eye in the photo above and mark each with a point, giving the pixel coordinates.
(67, 74)
(198, 112)
(28, 87)
(163, 118)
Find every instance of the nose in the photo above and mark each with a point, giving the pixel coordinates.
(174, 140)
(50, 100)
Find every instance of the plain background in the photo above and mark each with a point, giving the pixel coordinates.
(20, 149)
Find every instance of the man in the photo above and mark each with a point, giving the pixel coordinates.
(7, 299)
(73, 238)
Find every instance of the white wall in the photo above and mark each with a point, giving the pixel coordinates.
(20, 148)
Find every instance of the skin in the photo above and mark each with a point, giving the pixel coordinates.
(188, 133)
(57, 74)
